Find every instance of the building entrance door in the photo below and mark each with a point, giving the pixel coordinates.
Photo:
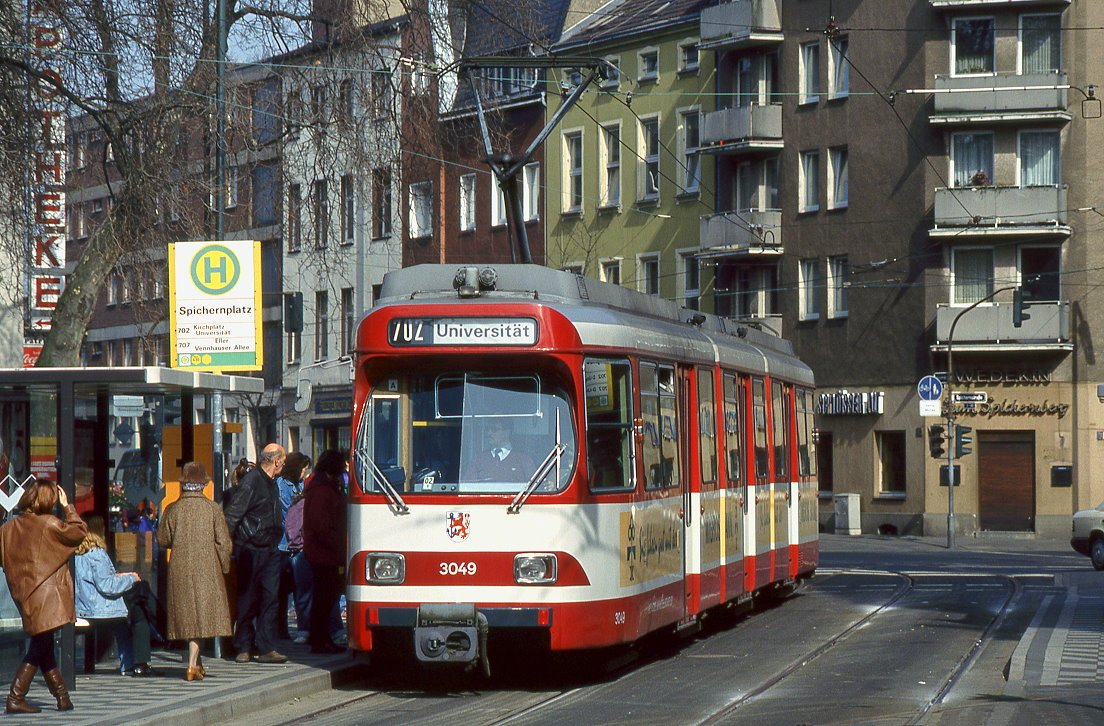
(1006, 481)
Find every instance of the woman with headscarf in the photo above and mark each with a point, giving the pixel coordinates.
(40, 584)
(194, 527)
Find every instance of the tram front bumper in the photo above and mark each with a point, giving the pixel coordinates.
(448, 633)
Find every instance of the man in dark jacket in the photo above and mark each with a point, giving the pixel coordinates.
(254, 520)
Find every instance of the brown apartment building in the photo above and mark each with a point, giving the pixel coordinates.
(454, 211)
(892, 164)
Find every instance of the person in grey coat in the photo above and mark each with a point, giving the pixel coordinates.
(195, 529)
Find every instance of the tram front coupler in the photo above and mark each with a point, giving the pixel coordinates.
(452, 633)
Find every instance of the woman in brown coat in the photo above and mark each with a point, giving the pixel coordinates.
(195, 529)
(35, 548)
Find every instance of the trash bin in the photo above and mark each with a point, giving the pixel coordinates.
(848, 519)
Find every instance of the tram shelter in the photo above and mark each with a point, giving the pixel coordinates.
(82, 427)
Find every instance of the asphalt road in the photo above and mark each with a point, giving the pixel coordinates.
(883, 634)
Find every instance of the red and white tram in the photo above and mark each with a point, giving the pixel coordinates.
(660, 463)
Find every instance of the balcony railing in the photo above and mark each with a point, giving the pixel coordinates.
(741, 24)
(746, 233)
(990, 326)
(989, 4)
(1000, 210)
(962, 99)
(743, 128)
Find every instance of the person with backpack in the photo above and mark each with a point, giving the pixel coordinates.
(295, 576)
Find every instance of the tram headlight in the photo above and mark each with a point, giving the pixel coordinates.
(385, 568)
(535, 568)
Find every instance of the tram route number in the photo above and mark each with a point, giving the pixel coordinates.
(462, 331)
(457, 568)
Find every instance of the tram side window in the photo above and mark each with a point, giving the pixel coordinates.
(609, 423)
(660, 413)
(780, 403)
(759, 416)
(707, 427)
(806, 452)
(734, 423)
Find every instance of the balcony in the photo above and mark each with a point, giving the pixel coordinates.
(971, 212)
(989, 327)
(1007, 98)
(993, 4)
(746, 233)
(741, 24)
(743, 129)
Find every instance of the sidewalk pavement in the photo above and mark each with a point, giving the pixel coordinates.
(231, 691)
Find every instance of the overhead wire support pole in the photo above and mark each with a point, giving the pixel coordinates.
(217, 469)
(951, 414)
(507, 166)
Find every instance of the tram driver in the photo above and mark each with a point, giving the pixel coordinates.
(501, 461)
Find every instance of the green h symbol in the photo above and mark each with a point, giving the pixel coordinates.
(210, 269)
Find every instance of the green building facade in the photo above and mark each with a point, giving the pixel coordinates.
(627, 187)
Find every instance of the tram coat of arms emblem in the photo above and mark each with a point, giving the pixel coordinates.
(459, 525)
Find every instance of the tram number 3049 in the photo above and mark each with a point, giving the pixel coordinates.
(457, 568)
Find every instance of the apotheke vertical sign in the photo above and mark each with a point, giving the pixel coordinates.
(215, 305)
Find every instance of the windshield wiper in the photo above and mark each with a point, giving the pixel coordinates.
(384, 483)
(550, 461)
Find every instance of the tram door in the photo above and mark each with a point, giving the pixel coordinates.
(706, 473)
(690, 524)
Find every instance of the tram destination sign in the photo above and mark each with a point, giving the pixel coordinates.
(462, 331)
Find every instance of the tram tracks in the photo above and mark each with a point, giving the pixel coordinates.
(908, 587)
(807, 658)
(909, 604)
(969, 658)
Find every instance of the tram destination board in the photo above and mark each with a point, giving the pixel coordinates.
(462, 331)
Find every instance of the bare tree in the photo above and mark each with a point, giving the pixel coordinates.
(136, 76)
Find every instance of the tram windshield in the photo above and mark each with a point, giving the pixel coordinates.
(464, 432)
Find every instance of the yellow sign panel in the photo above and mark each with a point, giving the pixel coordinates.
(215, 306)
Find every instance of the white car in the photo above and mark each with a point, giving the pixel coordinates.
(1088, 534)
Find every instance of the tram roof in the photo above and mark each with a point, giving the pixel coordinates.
(598, 309)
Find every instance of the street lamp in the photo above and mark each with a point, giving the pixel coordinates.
(951, 414)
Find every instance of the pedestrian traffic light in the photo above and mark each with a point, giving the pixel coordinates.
(293, 312)
(963, 441)
(936, 441)
(1018, 305)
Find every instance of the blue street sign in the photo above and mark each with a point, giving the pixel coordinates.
(930, 388)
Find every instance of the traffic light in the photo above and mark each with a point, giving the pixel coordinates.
(963, 441)
(1018, 305)
(936, 441)
(293, 312)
